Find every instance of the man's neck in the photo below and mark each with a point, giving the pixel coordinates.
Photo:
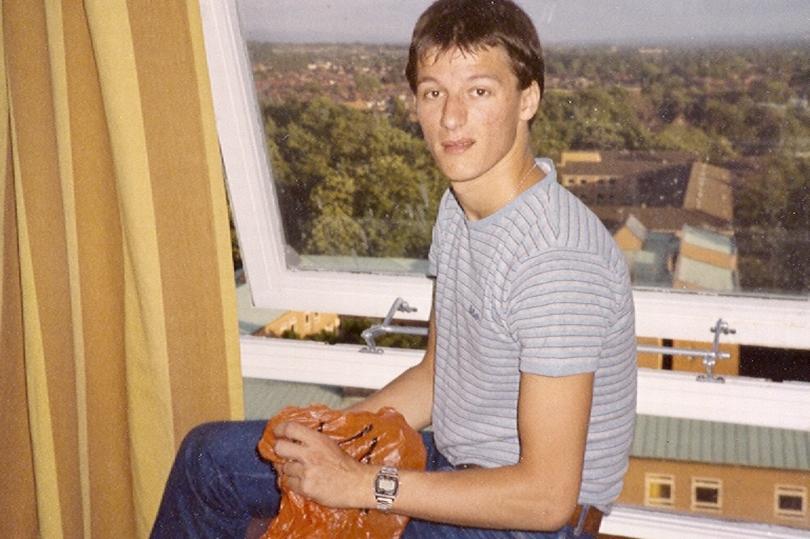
(486, 195)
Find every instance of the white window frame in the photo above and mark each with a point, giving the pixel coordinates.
(763, 321)
(252, 196)
(647, 523)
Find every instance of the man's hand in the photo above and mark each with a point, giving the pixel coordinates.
(317, 468)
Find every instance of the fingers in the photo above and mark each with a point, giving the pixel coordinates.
(312, 464)
(295, 441)
(291, 430)
(289, 450)
(291, 439)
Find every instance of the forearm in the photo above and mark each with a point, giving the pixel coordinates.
(500, 498)
(539, 492)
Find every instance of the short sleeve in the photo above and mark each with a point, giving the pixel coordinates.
(559, 311)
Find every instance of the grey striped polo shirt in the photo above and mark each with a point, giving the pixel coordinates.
(538, 287)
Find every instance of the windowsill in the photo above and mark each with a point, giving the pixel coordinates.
(649, 523)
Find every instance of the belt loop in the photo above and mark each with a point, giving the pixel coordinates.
(582, 516)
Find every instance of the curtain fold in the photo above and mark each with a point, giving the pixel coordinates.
(118, 326)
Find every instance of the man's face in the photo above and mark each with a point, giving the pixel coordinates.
(472, 113)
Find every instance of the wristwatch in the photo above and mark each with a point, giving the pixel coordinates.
(386, 485)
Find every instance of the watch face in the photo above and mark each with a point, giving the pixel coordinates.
(387, 484)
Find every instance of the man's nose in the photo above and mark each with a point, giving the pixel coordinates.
(454, 112)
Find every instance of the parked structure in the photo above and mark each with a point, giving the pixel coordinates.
(724, 470)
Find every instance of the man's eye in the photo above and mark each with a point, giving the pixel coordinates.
(480, 92)
(432, 94)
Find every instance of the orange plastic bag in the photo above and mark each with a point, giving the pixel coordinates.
(377, 438)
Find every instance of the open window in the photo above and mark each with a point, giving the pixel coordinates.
(333, 197)
(346, 230)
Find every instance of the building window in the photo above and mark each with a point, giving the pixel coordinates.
(659, 490)
(790, 501)
(707, 494)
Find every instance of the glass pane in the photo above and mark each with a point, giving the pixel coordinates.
(357, 188)
(789, 503)
(686, 127)
(707, 495)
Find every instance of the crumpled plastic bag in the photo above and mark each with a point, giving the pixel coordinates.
(377, 438)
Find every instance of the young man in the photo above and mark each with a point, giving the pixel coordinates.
(529, 375)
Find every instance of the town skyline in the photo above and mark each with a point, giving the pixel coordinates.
(569, 22)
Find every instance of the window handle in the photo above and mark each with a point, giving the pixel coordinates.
(387, 326)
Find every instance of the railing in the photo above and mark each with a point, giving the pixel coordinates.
(709, 357)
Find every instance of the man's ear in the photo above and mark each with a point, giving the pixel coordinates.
(530, 101)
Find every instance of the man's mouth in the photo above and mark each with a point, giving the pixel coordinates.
(457, 146)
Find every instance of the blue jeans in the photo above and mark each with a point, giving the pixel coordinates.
(219, 482)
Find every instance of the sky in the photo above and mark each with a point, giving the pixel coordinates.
(558, 21)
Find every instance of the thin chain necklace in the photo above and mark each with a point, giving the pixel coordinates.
(523, 179)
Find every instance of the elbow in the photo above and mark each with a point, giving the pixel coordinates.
(549, 517)
(549, 510)
(559, 516)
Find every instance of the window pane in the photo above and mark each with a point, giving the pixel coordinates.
(790, 503)
(706, 494)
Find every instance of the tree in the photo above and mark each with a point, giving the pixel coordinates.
(372, 190)
(773, 220)
(694, 140)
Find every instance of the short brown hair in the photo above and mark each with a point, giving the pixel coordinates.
(472, 25)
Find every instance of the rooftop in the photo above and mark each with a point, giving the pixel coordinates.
(669, 438)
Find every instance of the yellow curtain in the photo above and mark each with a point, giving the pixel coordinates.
(118, 325)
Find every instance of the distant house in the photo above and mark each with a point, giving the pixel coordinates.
(648, 180)
(671, 214)
(732, 471)
(275, 323)
(300, 323)
(690, 258)
(706, 261)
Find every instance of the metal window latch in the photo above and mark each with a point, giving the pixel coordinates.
(709, 360)
(709, 357)
(370, 335)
